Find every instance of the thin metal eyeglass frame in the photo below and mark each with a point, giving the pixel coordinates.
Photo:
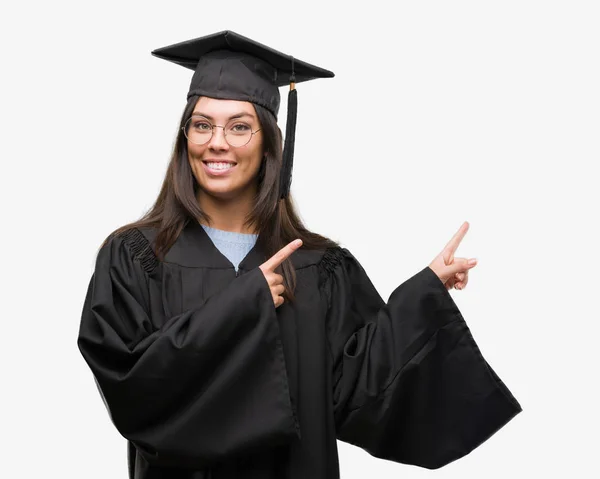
(212, 132)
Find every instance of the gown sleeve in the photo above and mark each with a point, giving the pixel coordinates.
(192, 389)
(410, 384)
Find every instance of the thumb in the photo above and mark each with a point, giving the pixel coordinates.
(460, 265)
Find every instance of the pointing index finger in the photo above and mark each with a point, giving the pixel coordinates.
(282, 254)
(457, 238)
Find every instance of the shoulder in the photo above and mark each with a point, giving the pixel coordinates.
(332, 261)
(333, 257)
(135, 243)
(303, 258)
(325, 258)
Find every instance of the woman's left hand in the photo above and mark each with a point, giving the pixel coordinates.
(453, 272)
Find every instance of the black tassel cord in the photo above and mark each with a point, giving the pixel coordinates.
(285, 180)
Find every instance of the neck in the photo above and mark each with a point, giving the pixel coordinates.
(228, 214)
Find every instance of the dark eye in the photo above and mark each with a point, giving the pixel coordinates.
(201, 125)
(239, 128)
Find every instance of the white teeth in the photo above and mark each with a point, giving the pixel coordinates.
(220, 166)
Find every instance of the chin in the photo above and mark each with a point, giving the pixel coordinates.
(222, 193)
(226, 192)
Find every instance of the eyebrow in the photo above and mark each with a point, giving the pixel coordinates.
(237, 115)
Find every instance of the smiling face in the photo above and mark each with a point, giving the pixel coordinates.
(242, 177)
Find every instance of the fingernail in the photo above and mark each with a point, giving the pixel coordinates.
(472, 261)
(298, 242)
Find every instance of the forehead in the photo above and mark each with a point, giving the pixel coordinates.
(218, 108)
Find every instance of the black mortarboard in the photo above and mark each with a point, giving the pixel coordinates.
(230, 66)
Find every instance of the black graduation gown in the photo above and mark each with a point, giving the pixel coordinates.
(205, 378)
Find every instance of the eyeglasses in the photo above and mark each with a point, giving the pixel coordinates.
(199, 130)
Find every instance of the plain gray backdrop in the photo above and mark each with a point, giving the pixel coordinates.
(440, 112)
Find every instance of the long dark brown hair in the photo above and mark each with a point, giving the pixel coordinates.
(275, 220)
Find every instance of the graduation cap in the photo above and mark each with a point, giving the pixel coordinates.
(230, 66)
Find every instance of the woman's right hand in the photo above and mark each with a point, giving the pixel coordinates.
(274, 279)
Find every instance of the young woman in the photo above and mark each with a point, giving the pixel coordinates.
(224, 350)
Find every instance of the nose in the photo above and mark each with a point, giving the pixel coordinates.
(218, 141)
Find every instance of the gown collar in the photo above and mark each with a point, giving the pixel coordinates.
(195, 248)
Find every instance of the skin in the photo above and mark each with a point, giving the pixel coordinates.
(274, 279)
(453, 272)
(227, 199)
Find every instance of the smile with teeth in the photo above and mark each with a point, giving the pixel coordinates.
(220, 166)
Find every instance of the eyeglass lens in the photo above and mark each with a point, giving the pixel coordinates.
(200, 130)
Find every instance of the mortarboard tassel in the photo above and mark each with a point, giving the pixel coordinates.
(285, 179)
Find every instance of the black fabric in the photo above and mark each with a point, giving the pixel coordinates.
(205, 378)
(228, 65)
(411, 384)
